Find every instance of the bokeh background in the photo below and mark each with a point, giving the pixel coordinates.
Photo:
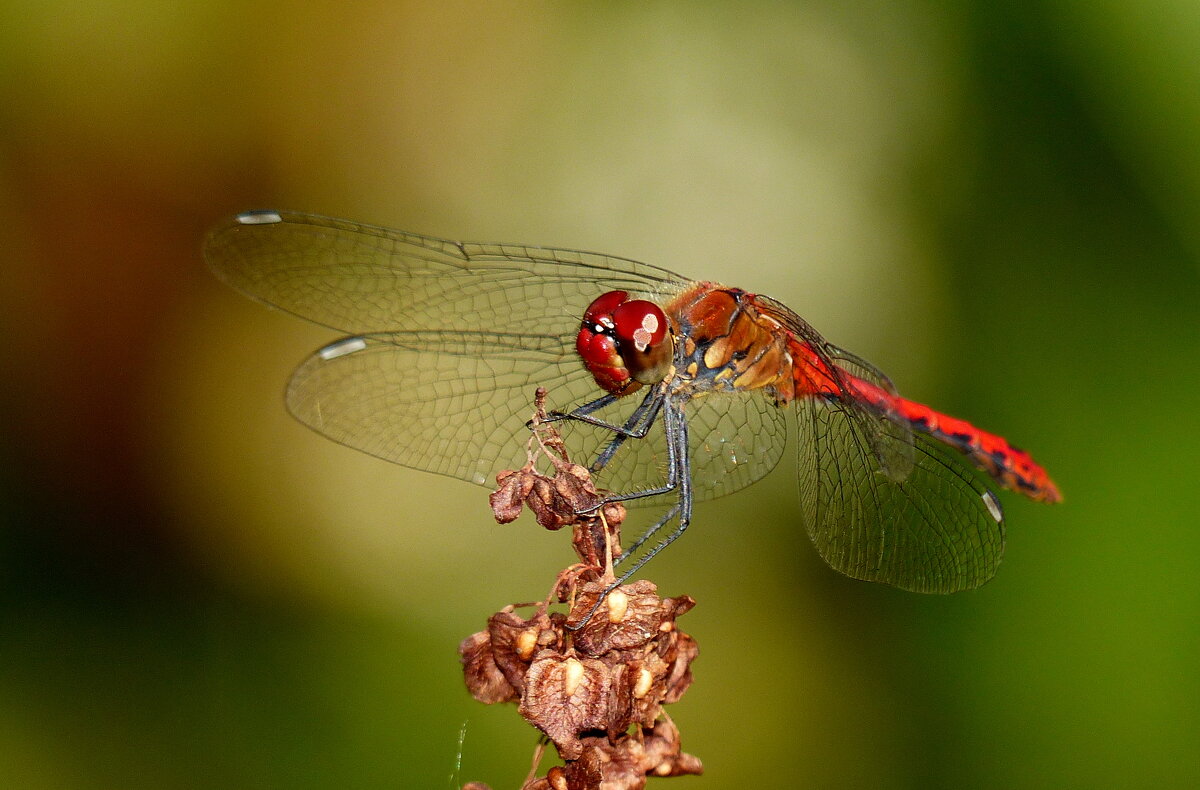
(998, 206)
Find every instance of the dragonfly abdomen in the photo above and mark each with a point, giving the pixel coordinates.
(1010, 466)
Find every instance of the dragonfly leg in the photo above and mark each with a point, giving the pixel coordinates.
(646, 413)
(579, 411)
(679, 466)
(649, 533)
(678, 469)
(636, 427)
(673, 417)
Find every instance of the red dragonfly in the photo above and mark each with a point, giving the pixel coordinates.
(449, 339)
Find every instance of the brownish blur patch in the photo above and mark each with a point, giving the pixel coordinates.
(110, 235)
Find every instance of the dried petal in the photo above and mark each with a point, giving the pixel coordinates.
(508, 499)
(625, 764)
(677, 607)
(548, 506)
(606, 766)
(679, 677)
(645, 685)
(662, 755)
(484, 679)
(565, 697)
(509, 634)
(574, 485)
(641, 620)
(620, 701)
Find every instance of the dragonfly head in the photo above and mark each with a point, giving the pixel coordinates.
(625, 343)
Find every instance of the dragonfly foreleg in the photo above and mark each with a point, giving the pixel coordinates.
(637, 426)
(580, 411)
(674, 425)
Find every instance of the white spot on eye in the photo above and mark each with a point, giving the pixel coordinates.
(993, 506)
(259, 217)
(650, 323)
(641, 339)
(341, 348)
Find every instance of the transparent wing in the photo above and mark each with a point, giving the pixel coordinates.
(456, 403)
(734, 440)
(881, 501)
(887, 434)
(882, 430)
(452, 339)
(936, 530)
(363, 279)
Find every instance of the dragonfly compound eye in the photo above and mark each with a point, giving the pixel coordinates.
(625, 343)
(639, 324)
(644, 340)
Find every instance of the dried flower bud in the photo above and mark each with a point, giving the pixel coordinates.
(642, 683)
(618, 605)
(557, 779)
(526, 643)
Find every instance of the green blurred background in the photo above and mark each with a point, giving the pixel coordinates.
(1000, 208)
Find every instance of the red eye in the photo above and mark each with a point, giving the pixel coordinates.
(639, 322)
(623, 343)
(603, 307)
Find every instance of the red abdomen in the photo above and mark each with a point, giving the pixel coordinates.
(1010, 466)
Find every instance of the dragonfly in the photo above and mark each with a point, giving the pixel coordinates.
(676, 390)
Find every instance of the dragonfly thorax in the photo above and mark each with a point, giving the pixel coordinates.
(727, 345)
(625, 343)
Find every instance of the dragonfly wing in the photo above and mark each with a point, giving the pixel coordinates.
(364, 279)
(735, 439)
(889, 436)
(857, 366)
(936, 530)
(451, 403)
(456, 404)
